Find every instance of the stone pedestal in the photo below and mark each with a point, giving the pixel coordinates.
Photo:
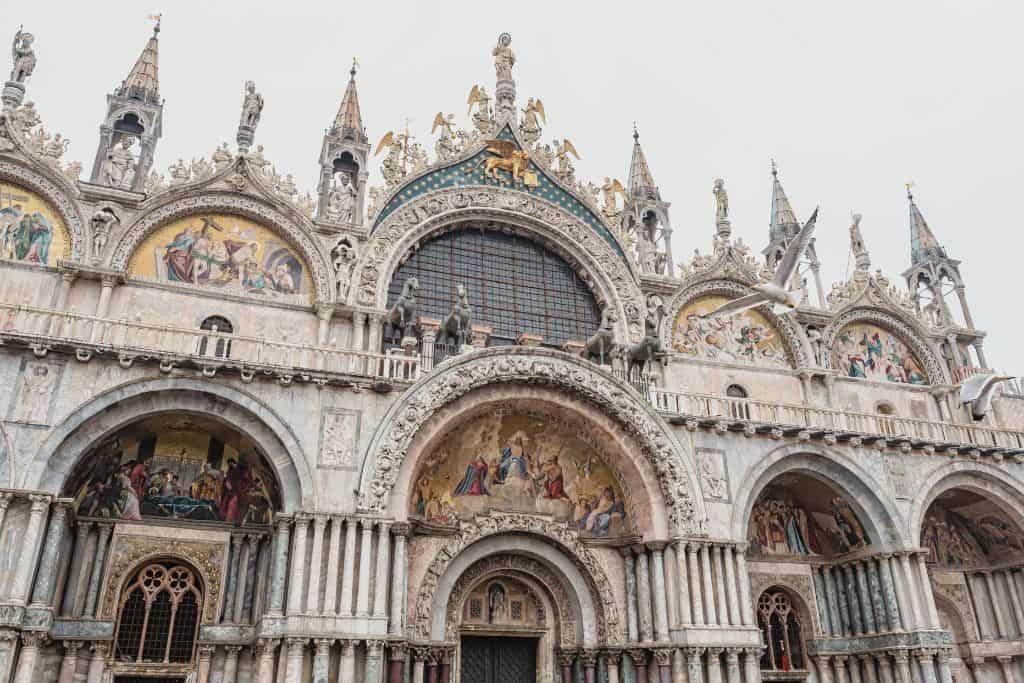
(574, 347)
(244, 138)
(526, 339)
(13, 95)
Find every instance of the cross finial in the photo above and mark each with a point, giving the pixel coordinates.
(355, 65)
(636, 133)
(156, 18)
(908, 185)
(775, 170)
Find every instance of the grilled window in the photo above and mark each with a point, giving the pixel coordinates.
(159, 615)
(515, 286)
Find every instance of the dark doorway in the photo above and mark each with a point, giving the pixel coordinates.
(498, 660)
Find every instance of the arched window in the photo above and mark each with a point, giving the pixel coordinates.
(885, 414)
(515, 286)
(218, 345)
(738, 409)
(159, 615)
(780, 630)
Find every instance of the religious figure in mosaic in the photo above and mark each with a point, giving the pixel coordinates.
(748, 337)
(869, 352)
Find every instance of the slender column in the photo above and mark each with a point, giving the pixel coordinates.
(844, 601)
(396, 662)
(588, 659)
(29, 549)
(104, 530)
(358, 327)
(611, 663)
(916, 615)
(732, 664)
(296, 650)
(333, 554)
(746, 603)
(885, 668)
(714, 665)
(890, 569)
(31, 641)
(419, 657)
(264, 652)
(347, 666)
(231, 590)
(247, 600)
(867, 665)
(695, 588)
(380, 590)
(876, 596)
(840, 665)
(678, 666)
(639, 658)
(732, 596)
(962, 296)
(659, 592)
(321, 660)
(205, 661)
(853, 669)
(824, 668)
(42, 594)
(954, 347)
(632, 619)
(102, 306)
(671, 586)
(1011, 583)
(929, 598)
(69, 662)
(315, 563)
(231, 663)
(997, 608)
(643, 590)
(1005, 664)
(719, 576)
(834, 610)
(323, 328)
(279, 568)
(683, 585)
(5, 501)
(821, 594)
(565, 659)
(398, 578)
(97, 663)
(298, 569)
(375, 326)
(348, 569)
(374, 653)
(752, 665)
(365, 568)
(926, 660)
(866, 599)
(709, 593)
(945, 674)
(431, 667)
(892, 610)
(903, 666)
(694, 665)
(854, 600)
(445, 665)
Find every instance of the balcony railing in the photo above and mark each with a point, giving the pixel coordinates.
(708, 407)
(44, 328)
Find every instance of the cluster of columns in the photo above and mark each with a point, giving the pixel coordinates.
(88, 557)
(246, 563)
(333, 576)
(929, 665)
(1000, 589)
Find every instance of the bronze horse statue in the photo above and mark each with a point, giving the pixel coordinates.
(643, 353)
(600, 345)
(455, 326)
(402, 316)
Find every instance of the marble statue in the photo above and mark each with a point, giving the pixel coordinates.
(118, 168)
(222, 157)
(479, 98)
(103, 221)
(609, 189)
(341, 200)
(530, 126)
(344, 261)
(23, 55)
(721, 200)
(252, 106)
(504, 58)
(26, 117)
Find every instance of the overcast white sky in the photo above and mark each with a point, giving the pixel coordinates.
(851, 99)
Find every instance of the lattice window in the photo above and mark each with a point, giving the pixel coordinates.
(517, 610)
(780, 628)
(476, 608)
(159, 615)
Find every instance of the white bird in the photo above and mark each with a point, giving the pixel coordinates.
(776, 291)
(977, 391)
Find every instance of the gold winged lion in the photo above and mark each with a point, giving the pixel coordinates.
(510, 158)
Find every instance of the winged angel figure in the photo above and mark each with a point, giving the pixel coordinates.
(447, 145)
(530, 127)
(479, 98)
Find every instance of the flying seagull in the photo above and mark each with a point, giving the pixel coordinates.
(977, 391)
(776, 291)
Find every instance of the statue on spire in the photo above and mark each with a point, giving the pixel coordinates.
(23, 55)
(504, 58)
(252, 107)
(860, 252)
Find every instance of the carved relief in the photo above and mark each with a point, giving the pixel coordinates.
(714, 478)
(339, 438)
(33, 396)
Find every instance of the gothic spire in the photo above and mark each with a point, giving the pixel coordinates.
(349, 120)
(641, 182)
(922, 240)
(783, 220)
(143, 81)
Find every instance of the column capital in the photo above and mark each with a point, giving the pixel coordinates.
(693, 653)
(34, 639)
(233, 650)
(612, 654)
(320, 521)
(733, 652)
(206, 650)
(266, 646)
(374, 648)
(237, 539)
(420, 653)
(900, 655)
(100, 649)
(39, 501)
(71, 647)
(565, 657)
(323, 311)
(638, 655)
(715, 651)
(348, 647)
(401, 529)
(398, 650)
(323, 645)
(657, 546)
(296, 644)
(662, 656)
(639, 549)
(5, 499)
(588, 657)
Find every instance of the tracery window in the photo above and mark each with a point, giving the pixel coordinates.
(159, 615)
(220, 325)
(515, 286)
(780, 629)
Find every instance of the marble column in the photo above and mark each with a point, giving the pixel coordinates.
(358, 329)
(643, 590)
(316, 561)
(866, 601)
(231, 589)
(714, 665)
(321, 660)
(588, 660)
(29, 550)
(365, 569)
(885, 669)
(824, 664)
(632, 619)
(431, 667)
(854, 599)
(671, 586)
(333, 558)
(834, 610)
(867, 666)
(348, 569)
(31, 641)
(231, 663)
(5, 502)
(659, 593)
(444, 673)
(298, 568)
(875, 595)
(945, 673)
(752, 665)
(611, 662)
(709, 591)
(840, 666)
(746, 602)
(732, 596)
(926, 660)
(844, 601)
(929, 598)
(694, 665)
(107, 283)
(46, 577)
(1011, 583)
(732, 664)
(639, 658)
(97, 663)
(696, 601)
(678, 666)
(916, 616)
(396, 662)
(853, 669)
(205, 661)
(372, 669)
(99, 557)
(890, 569)
(75, 571)
(264, 660)
(400, 568)
(997, 607)
(719, 578)
(279, 568)
(246, 600)
(821, 594)
(347, 665)
(682, 585)
(889, 600)
(380, 588)
(903, 666)
(1006, 666)
(69, 662)
(375, 332)
(296, 651)
(419, 656)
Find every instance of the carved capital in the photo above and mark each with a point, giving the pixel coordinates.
(374, 648)
(33, 639)
(398, 650)
(265, 647)
(662, 656)
(39, 502)
(693, 653)
(639, 655)
(565, 657)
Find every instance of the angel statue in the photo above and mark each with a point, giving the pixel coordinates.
(252, 106)
(23, 55)
(721, 201)
(565, 171)
(609, 189)
(393, 168)
(504, 58)
(530, 126)
(447, 145)
(482, 116)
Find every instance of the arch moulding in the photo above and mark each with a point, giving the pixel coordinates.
(391, 442)
(54, 191)
(419, 219)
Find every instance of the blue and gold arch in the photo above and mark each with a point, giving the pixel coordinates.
(470, 172)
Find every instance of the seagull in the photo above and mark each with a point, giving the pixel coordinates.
(776, 291)
(977, 391)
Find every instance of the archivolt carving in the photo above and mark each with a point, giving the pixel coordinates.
(250, 207)
(45, 187)
(732, 288)
(911, 336)
(129, 552)
(506, 564)
(391, 441)
(431, 211)
(513, 522)
(959, 601)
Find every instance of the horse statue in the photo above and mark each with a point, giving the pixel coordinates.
(455, 326)
(643, 353)
(600, 345)
(402, 315)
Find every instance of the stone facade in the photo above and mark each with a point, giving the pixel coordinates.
(264, 429)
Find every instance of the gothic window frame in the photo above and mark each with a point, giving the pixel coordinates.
(776, 606)
(153, 584)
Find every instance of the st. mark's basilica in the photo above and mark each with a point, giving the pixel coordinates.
(477, 424)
